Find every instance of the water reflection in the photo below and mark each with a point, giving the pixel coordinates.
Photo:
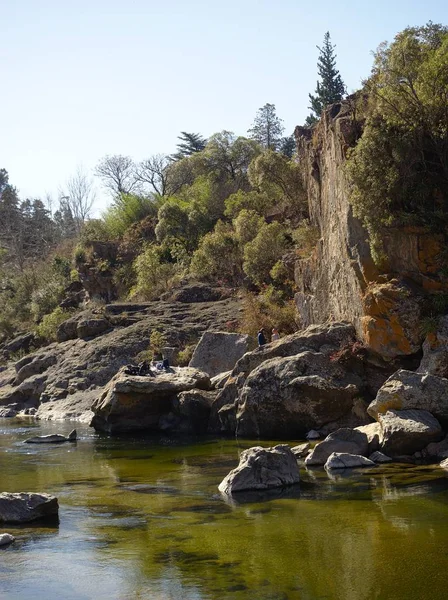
(142, 518)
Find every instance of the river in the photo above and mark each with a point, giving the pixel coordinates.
(141, 518)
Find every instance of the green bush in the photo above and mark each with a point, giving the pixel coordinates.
(153, 277)
(48, 327)
(185, 355)
(261, 254)
(218, 255)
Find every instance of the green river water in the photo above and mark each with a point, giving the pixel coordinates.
(141, 517)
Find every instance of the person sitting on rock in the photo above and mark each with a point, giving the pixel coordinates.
(261, 338)
(275, 335)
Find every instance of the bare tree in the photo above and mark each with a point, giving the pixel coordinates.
(117, 174)
(80, 195)
(154, 171)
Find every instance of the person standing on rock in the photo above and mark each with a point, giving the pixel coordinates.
(275, 335)
(261, 338)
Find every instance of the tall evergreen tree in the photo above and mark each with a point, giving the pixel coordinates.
(330, 88)
(267, 128)
(189, 144)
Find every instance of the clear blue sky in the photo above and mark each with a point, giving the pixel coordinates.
(85, 78)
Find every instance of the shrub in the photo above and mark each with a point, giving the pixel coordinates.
(218, 255)
(153, 277)
(185, 355)
(48, 327)
(259, 311)
(261, 254)
(305, 237)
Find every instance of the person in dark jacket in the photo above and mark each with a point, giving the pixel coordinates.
(261, 338)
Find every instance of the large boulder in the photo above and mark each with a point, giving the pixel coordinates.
(344, 460)
(190, 412)
(407, 431)
(88, 328)
(286, 397)
(130, 402)
(409, 390)
(24, 507)
(262, 469)
(6, 539)
(218, 352)
(343, 440)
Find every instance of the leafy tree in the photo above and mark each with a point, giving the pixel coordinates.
(247, 225)
(330, 88)
(127, 210)
(267, 128)
(261, 254)
(288, 146)
(218, 255)
(257, 201)
(153, 275)
(280, 178)
(189, 144)
(399, 168)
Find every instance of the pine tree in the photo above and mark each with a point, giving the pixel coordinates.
(189, 144)
(330, 88)
(267, 128)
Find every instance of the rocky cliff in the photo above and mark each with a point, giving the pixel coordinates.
(340, 280)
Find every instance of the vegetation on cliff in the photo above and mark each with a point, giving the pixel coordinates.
(399, 167)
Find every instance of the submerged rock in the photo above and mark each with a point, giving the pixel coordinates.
(55, 438)
(343, 440)
(344, 460)
(6, 538)
(262, 469)
(24, 507)
(379, 457)
(301, 450)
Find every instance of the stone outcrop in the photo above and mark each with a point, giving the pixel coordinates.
(339, 280)
(404, 432)
(218, 352)
(24, 507)
(62, 380)
(190, 412)
(409, 390)
(349, 441)
(285, 397)
(132, 403)
(262, 469)
(435, 351)
(343, 460)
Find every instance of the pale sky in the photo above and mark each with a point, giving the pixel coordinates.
(86, 78)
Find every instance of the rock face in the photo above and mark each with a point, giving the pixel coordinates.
(62, 380)
(218, 352)
(435, 351)
(408, 390)
(262, 469)
(343, 440)
(379, 457)
(339, 279)
(131, 403)
(408, 431)
(24, 507)
(190, 413)
(343, 460)
(285, 397)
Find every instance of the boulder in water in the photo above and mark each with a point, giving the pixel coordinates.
(344, 460)
(24, 507)
(6, 538)
(55, 438)
(262, 469)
